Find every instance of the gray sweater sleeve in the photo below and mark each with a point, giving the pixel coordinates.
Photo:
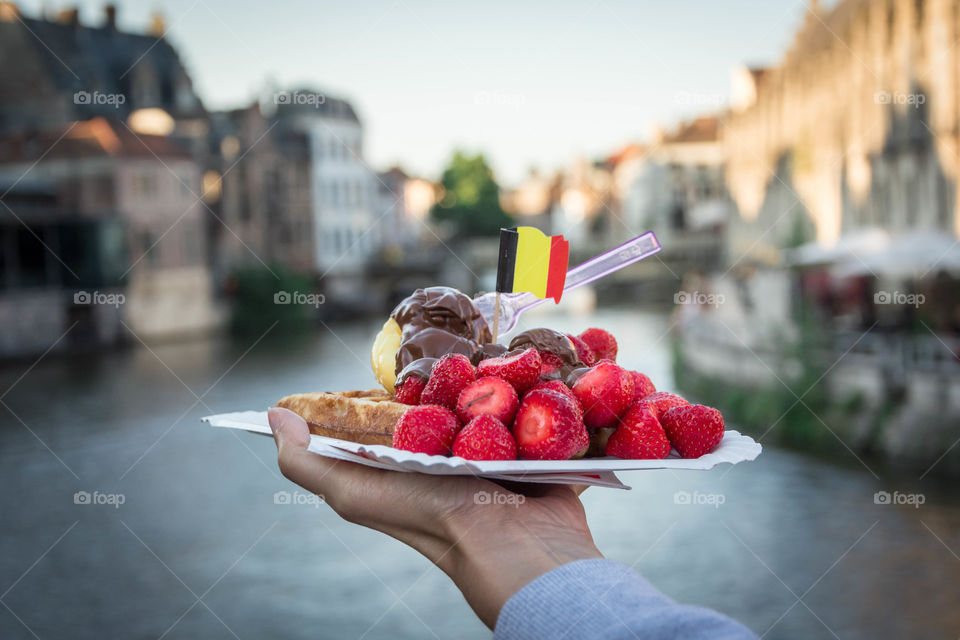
(606, 599)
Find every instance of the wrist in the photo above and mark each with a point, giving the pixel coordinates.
(491, 562)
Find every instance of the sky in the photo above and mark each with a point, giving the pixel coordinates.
(528, 84)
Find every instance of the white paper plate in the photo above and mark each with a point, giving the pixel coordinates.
(734, 448)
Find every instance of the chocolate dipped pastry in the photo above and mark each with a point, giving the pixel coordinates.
(551, 341)
(431, 342)
(429, 323)
(442, 308)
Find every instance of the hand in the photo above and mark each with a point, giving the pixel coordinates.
(490, 549)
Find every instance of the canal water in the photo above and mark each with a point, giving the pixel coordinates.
(121, 515)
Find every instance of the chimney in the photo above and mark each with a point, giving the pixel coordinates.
(110, 16)
(70, 17)
(9, 12)
(158, 26)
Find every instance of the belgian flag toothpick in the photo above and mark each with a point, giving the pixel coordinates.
(530, 261)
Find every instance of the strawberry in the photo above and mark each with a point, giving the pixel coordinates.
(602, 343)
(450, 374)
(585, 353)
(427, 428)
(548, 427)
(661, 401)
(488, 396)
(639, 436)
(560, 387)
(549, 363)
(604, 391)
(485, 438)
(520, 370)
(642, 386)
(693, 430)
(410, 390)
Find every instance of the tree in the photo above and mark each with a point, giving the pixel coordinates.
(471, 202)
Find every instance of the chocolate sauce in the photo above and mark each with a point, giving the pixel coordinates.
(573, 376)
(553, 341)
(431, 342)
(442, 308)
(420, 367)
(489, 350)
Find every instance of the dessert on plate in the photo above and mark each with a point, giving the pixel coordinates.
(448, 388)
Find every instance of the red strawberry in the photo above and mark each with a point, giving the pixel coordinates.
(450, 374)
(485, 438)
(602, 343)
(428, 429)
(410, 390)
(488, 396)
(560, 387)
(520, 370)
(693, 430)
(604, 391)
(548, 427)
(639, 436)
(554, 385)
(585, 353)
(661, 401)
(549, 363)
(642, 386)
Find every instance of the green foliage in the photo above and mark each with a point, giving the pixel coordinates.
(253, 309)
(774, 410)
(471, 202)
(801, 231)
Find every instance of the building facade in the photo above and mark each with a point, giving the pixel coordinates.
(857, 126)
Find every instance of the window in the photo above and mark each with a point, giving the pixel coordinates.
(31, 256)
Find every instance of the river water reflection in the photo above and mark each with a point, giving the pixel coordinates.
(199, 548)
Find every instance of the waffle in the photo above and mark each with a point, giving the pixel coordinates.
(366, 417)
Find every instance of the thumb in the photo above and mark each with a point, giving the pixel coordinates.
(290, 431)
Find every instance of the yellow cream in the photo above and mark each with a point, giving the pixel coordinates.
(383, 357)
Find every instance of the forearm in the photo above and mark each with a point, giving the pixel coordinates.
(605, 599)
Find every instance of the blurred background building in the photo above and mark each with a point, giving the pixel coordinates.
(819, 204)
(184, 234)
